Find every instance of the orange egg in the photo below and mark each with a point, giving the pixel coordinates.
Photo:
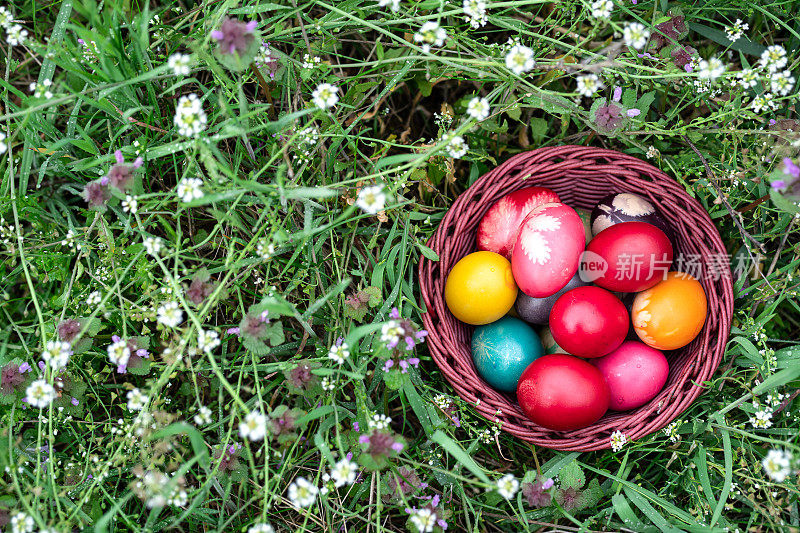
(480, 288)
(670, 314)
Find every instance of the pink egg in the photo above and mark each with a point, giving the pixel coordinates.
(547, 249)
(635, 374)
(498, 229)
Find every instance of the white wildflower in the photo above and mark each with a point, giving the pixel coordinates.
(56, 354)
(261, 528)
(338, 353)
(736, 30)
(344, 472)
(778, 465)
(636, 35)
(601, 9)
(119, 353)
(325, 96)
(710, 69)
(589, 84)
(189, 116)
(170, 314)
(773, 58)
(40, 394)
(137, 400)
(618, 440)
(478, 108)
(519, 59)
(424, 520)
(430, 34)
(507, 486)
(254, 426)
(181, 64)
(782, 82)
(22, 523)
(203, 416)
(190, 189)
(16, 35)
(475, 11)
(456, 146)
(371, 199)
(207, 340)
(130, 204)
(153, 245)
(302, 493)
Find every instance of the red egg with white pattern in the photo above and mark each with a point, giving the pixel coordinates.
(498, 229)
(548, 249)
(637, 255)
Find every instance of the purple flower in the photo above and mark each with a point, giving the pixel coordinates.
(74, 402)
(24, 367)
(609, 117)
(363, 439)
(387, 365)
(355, 426)
(617, 93)
(403, 366)
(121, 175)
(349, 456)
(790, 168)
(633, 113)
(96, 194)
(435, 500)
(548, 483)
(413, 361)
(772, 122)
(232, 331)
(398, 447)
(68, 329)
(778, 184)
(11, 377)
(395, 313)
(141, 352)
(234, 36)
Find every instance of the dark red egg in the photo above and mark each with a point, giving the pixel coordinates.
(548, 249)
(633, 256)
(562, 393)
(589, 322)
(498, 229)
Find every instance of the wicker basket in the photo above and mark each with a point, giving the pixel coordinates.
(581, 176)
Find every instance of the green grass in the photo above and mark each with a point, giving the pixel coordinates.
(337, 271)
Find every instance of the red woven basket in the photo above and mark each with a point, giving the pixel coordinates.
(581, 176)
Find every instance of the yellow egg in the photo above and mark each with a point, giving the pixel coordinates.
(480, 288)
(670, 315)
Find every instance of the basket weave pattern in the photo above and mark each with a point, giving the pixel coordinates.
(581, 176)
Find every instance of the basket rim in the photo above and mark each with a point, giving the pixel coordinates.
(703, 355)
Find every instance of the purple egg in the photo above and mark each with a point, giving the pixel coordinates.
(537, 310)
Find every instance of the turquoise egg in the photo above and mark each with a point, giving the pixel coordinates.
(502, 350)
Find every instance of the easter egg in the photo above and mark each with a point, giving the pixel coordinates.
(548, 342)
(589, 322)
(562, 393)
(480, 288)
(547, 249)
(634, 372)
(670, 314)
(626, 207)
(502, 350)
(636, 256)
(537, 310)
(497, 231)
